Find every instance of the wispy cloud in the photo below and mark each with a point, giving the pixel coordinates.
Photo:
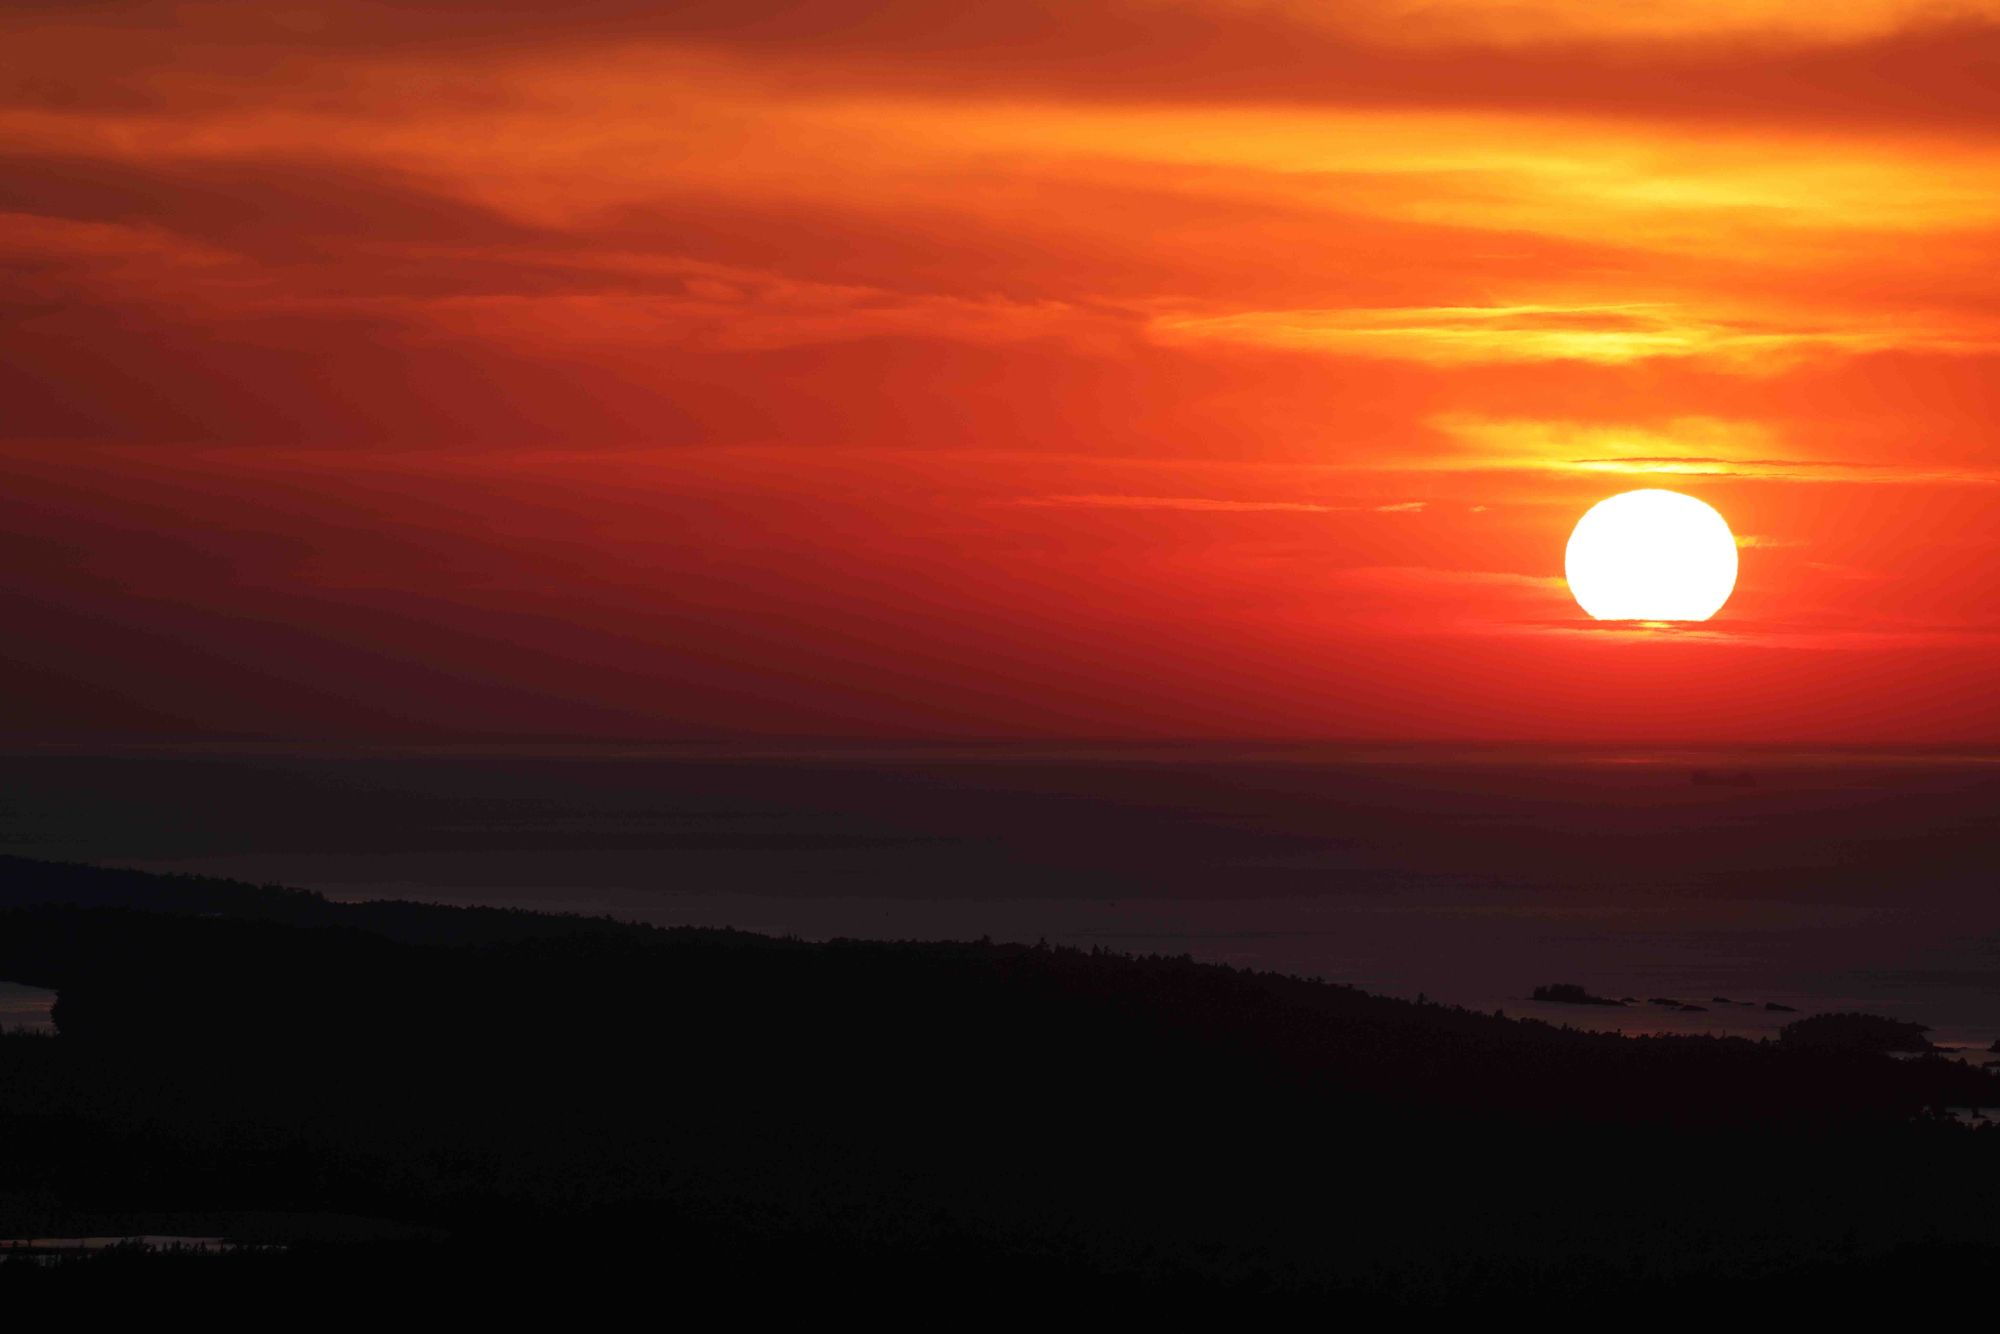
(1728, 449)
(749, 312)
(1508, 23)
(1600, 334)
(1206, 504)
(1783, 469)
(1428, 576)
(1831, 636)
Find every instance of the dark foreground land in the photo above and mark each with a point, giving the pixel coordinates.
(533, 1107)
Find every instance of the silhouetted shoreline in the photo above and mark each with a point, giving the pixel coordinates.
(1840, 882)
(1073, 1119)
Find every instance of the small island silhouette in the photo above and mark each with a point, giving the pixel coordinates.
(1569, 993)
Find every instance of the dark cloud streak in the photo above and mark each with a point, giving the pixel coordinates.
(1941, 75)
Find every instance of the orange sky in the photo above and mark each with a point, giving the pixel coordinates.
(1103, 368)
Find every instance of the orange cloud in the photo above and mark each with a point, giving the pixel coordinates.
(1687, 446)
(1528, 22)
(1196, 504)
(1202, 504)
(1602, 334)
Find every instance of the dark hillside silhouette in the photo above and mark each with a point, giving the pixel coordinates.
(1004, 1113)
(27, 881)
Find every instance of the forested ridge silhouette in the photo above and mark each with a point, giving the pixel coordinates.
(943, 1112)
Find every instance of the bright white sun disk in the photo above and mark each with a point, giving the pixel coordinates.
(1651, 556)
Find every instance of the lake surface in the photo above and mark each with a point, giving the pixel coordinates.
(1814, 880)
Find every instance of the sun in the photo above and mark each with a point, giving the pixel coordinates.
(1651, 556)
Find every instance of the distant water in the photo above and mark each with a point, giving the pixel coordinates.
(25, 1007)
(1817, 880)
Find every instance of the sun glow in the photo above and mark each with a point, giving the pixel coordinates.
(1651, 556)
